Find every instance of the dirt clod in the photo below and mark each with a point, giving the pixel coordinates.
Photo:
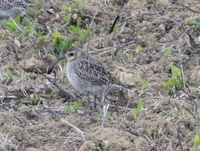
(154, 45)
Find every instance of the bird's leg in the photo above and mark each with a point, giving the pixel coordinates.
(94, 105)
(88, 102)
(106, 90)
(102, 100)
(99, 105)
(104, 109)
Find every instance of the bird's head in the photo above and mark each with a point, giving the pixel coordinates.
(74, 53)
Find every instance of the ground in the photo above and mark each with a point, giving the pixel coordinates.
(153, 45)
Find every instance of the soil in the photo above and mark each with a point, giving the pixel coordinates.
(36, 110)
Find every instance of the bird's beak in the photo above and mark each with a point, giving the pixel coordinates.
(61, 58)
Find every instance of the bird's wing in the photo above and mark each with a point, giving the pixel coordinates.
(93, 71)
(5, 6)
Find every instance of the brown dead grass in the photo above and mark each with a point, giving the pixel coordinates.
(167, 122)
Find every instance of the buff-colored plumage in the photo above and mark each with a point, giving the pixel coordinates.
(88, 75)
(12, 8)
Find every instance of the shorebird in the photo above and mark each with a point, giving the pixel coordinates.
(89, 76)
(12, 8)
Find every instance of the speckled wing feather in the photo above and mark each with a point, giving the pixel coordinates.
(9, 4)
(93, 71)
(5, 6)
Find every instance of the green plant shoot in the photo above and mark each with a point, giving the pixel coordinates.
(137, 111)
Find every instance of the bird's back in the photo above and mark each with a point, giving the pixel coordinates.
(92, 70)
(12, 8)
(88, 75)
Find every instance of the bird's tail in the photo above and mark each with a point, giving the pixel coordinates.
(127, 86)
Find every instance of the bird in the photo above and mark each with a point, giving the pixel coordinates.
(90, 76)
(12, 8)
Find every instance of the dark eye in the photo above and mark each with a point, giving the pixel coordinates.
(71, 54)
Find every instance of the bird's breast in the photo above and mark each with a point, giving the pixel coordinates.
(75, 80)
(84, 85)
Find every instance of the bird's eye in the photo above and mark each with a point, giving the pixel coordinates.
(71, 54)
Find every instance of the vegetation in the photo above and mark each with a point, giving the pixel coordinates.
(137, 111)
(176, 81)
(74, 107)
(157, 52)
(196, 141)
